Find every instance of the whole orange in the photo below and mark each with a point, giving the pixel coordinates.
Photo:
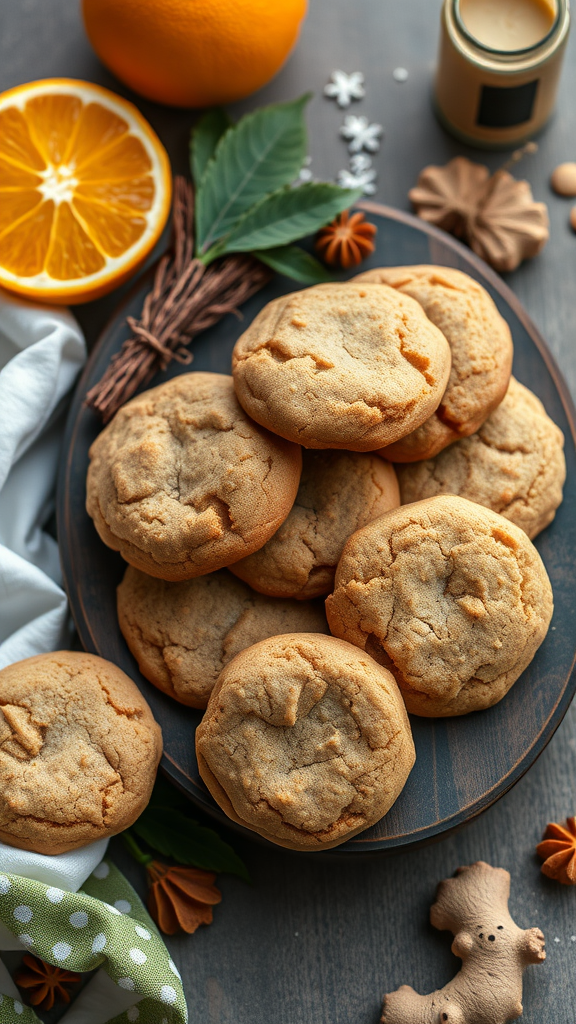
(193, 53)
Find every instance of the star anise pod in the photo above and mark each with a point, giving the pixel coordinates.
(44, 983)
(180, 898)
(558, 851)
(346, 241)
(495, 215)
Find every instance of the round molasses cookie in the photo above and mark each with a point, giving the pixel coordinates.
(79, 750)
(347, 365)
(481, 346)
(514, 464)
(339, 492)
(305, 741)
(182, 482)
(182, 634)
(450, 596)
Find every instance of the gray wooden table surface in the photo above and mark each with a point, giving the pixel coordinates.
(310, 942)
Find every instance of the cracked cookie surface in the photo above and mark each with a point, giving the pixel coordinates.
(182, 482)
(347, 365)
(481, 346)
(79, 749)
(514, 464)
(305, 741)
(450, 596)
(339, 492)
(182, 634)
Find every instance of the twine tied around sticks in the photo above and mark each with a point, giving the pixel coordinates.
(186, 298)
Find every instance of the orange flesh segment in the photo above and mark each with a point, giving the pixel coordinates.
(15, 140)
(13, 177)
(112, 230)
(97, 129)
(23, 250)
(135, 193)
(73, 254)
(127, 158)
(52, 120)
(16, 205)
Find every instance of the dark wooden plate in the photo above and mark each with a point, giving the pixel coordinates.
(464, 764)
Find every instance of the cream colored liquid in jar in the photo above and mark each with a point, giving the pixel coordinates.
(508, 25)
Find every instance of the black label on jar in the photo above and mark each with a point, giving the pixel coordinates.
(506, 106)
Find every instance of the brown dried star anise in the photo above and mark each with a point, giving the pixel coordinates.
(44, 983)
(346, 241)
(495, 215)
(558, 851)
(180, 898)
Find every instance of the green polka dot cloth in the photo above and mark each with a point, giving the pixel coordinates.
(104, 925)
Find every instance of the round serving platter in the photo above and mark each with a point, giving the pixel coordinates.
(463, 765)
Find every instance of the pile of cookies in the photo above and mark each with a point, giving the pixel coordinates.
(371, 449)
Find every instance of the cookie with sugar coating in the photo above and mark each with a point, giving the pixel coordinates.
(182, 634)
(481, 346)
(305, 740)
(450, 596)
(79, 749)
(514, 464)
(345, 365)
(338, 493)
(182, 482)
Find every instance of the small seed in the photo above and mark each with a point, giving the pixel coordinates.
(563, 179)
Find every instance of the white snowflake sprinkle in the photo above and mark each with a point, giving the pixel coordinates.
(556, 939)
(360, 134)
(573, 938)
(366, 181)
(344, 88)
(400, 74)
(305, 173)
(360, 162)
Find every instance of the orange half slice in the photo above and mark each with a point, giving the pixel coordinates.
(85, 190)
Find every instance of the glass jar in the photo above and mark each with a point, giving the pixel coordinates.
(497, 98)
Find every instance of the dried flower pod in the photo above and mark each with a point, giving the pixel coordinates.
(496, 215)
(558, 851)
(180, 898)
(44, 984)
(347, 240)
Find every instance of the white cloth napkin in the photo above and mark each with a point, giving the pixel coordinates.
(42, 350)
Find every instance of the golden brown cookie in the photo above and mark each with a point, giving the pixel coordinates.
(450, 596)
(182, 634)
(481, 346)
(182, 482)
(79, 750)
(338, 493)
(514, 464)
(305, 741)
(346, 365)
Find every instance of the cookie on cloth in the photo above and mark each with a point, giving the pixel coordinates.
(339, 492)
(514, 464)
(182, 634)
(481, 346)
(450, 596)
(345, 365)
(182, 482)
(305, 740)
(79, 749)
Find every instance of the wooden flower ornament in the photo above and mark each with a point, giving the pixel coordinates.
(494, 952)
(346, 241)
(558, 851)
(495, 215)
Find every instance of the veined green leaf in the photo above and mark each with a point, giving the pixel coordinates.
(204, 138)
(286, 215)
(294, 262)
(173, 834)
(264, 151)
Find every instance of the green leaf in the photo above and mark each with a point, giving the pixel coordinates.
(264, 151)
(294, 262)
(286, 215)
(204, 138)
(175, 835)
